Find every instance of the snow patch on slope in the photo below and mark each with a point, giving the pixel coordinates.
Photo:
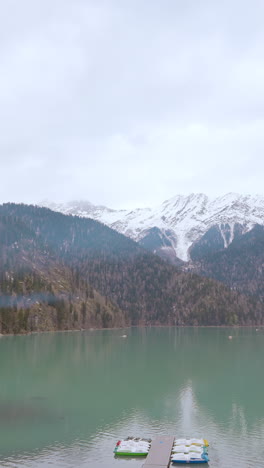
(188, 218)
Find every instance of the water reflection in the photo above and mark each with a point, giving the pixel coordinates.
(66, 398)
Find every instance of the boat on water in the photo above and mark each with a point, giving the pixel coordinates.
(190, 451)
(182, 451)
(132, 447)
(189, 459)
(189, 442)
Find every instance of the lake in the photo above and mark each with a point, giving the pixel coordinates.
(66, 398)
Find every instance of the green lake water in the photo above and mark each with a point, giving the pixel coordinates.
(66, 398)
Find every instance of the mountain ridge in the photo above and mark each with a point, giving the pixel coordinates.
(240, 266)
(50, 251)
(180, 222)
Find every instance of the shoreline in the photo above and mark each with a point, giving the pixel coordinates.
(257, 327)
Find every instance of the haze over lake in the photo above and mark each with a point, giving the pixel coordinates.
(66, 398)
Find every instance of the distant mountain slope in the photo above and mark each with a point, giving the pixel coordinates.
(174, 227)
(85, 254)
(39, 292)
(240, 266)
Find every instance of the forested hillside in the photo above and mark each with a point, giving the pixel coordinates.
(240, 266)
(62, 272)
(40, 292)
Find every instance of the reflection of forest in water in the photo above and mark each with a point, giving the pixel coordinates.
(59, 387)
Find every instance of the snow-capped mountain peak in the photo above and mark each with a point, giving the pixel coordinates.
(179, 222)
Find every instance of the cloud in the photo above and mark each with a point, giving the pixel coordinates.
(130, 102)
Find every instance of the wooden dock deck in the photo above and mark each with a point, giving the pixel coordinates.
(160, 452)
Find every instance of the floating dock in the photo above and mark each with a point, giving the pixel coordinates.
(159, 453)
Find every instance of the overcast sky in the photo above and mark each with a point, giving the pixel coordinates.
(129, 102)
